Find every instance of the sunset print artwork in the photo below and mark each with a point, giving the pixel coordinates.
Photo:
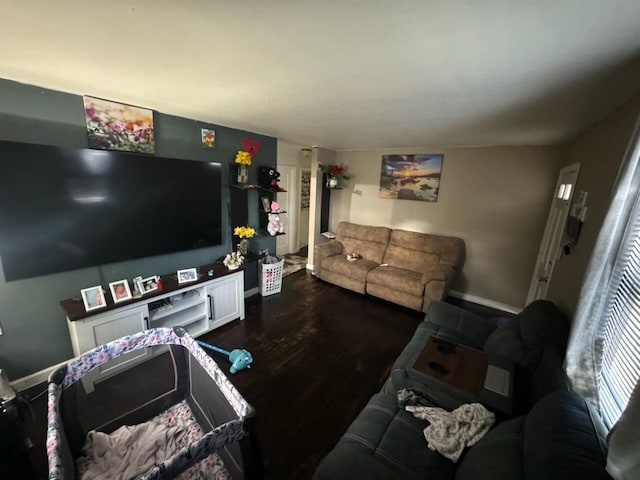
(117, 126)
(411, 177)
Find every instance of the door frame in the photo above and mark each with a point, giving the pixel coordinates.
(550, 245)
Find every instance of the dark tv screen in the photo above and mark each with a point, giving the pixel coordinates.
(63, 209)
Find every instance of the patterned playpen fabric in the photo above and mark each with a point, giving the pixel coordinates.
(224, 434)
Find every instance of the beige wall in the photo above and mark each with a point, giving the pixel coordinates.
(495, 198)
(600, 150)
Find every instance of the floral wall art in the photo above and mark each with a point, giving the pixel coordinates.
(117, 126)
(411, 177)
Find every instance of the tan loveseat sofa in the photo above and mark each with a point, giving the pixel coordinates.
(408, 268)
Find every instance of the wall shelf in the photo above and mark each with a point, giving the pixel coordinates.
(253, 186)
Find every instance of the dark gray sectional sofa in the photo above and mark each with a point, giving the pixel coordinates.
(552, 435)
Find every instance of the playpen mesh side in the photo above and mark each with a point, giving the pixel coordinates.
(190, 374)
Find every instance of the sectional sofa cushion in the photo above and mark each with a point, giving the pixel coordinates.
(497, 456)
(384, 443)
(540, 322)
(564, 438)
(560, 438)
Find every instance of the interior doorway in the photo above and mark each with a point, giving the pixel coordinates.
(550, 247)
(288, 201)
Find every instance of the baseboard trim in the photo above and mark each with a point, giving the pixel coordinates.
(251, 292)
(485, 302)
(36, 378)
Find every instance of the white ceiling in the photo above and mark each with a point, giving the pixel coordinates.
(341, 74)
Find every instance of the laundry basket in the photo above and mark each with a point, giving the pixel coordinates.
(270, 278)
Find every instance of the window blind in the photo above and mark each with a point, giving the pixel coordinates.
(621, 341)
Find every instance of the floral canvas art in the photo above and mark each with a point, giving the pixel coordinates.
(411, 177)
(117, 126)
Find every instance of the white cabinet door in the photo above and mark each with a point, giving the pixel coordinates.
(103, 328)
(226, 299)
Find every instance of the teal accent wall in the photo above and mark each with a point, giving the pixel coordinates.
(35, 328)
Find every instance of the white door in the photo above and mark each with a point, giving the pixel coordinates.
(288, 201)
(303, 209)
(550, 248)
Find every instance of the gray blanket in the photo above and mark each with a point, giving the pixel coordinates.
(449, 432)
(129, 451)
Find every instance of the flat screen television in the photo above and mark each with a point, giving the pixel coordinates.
(63, 209)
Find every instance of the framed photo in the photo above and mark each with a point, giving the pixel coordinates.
(120, 291)
(148, 285)
(187, 275)
(266, 204)
(93, 298)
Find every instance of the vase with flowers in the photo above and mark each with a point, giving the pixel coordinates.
(335, 174)
(243, 159)
(245, 233)
(233, 260)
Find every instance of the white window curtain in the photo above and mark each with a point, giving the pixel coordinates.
(604, 306)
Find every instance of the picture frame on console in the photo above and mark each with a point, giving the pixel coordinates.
(120, 291)
(187, 275)
(93, 298)
(148, 285)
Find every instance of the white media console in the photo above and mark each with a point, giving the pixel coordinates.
(199, 307)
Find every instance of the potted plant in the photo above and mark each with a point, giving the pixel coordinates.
(336, 173)
(243, 159)
(245, 233)
(233, 260)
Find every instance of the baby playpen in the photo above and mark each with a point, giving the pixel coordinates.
(163, 409)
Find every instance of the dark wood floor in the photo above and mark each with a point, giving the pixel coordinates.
(319, 351)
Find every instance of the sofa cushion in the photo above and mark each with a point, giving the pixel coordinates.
(357, 270)
(418, 251)
(498, 455)
(369, 242)
(405, 258)
(541, 321)
(563, 438)
(398, 279)
(506, 342)
(384, 442)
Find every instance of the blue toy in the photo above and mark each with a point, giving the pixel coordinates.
(239, 359)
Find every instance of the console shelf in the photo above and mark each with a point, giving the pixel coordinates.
(171, 306)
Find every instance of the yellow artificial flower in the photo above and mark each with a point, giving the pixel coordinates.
(243, 158)
(244, 232)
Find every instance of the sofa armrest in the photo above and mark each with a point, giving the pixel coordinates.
(439, 272)
(436, 279)
(324, 250)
